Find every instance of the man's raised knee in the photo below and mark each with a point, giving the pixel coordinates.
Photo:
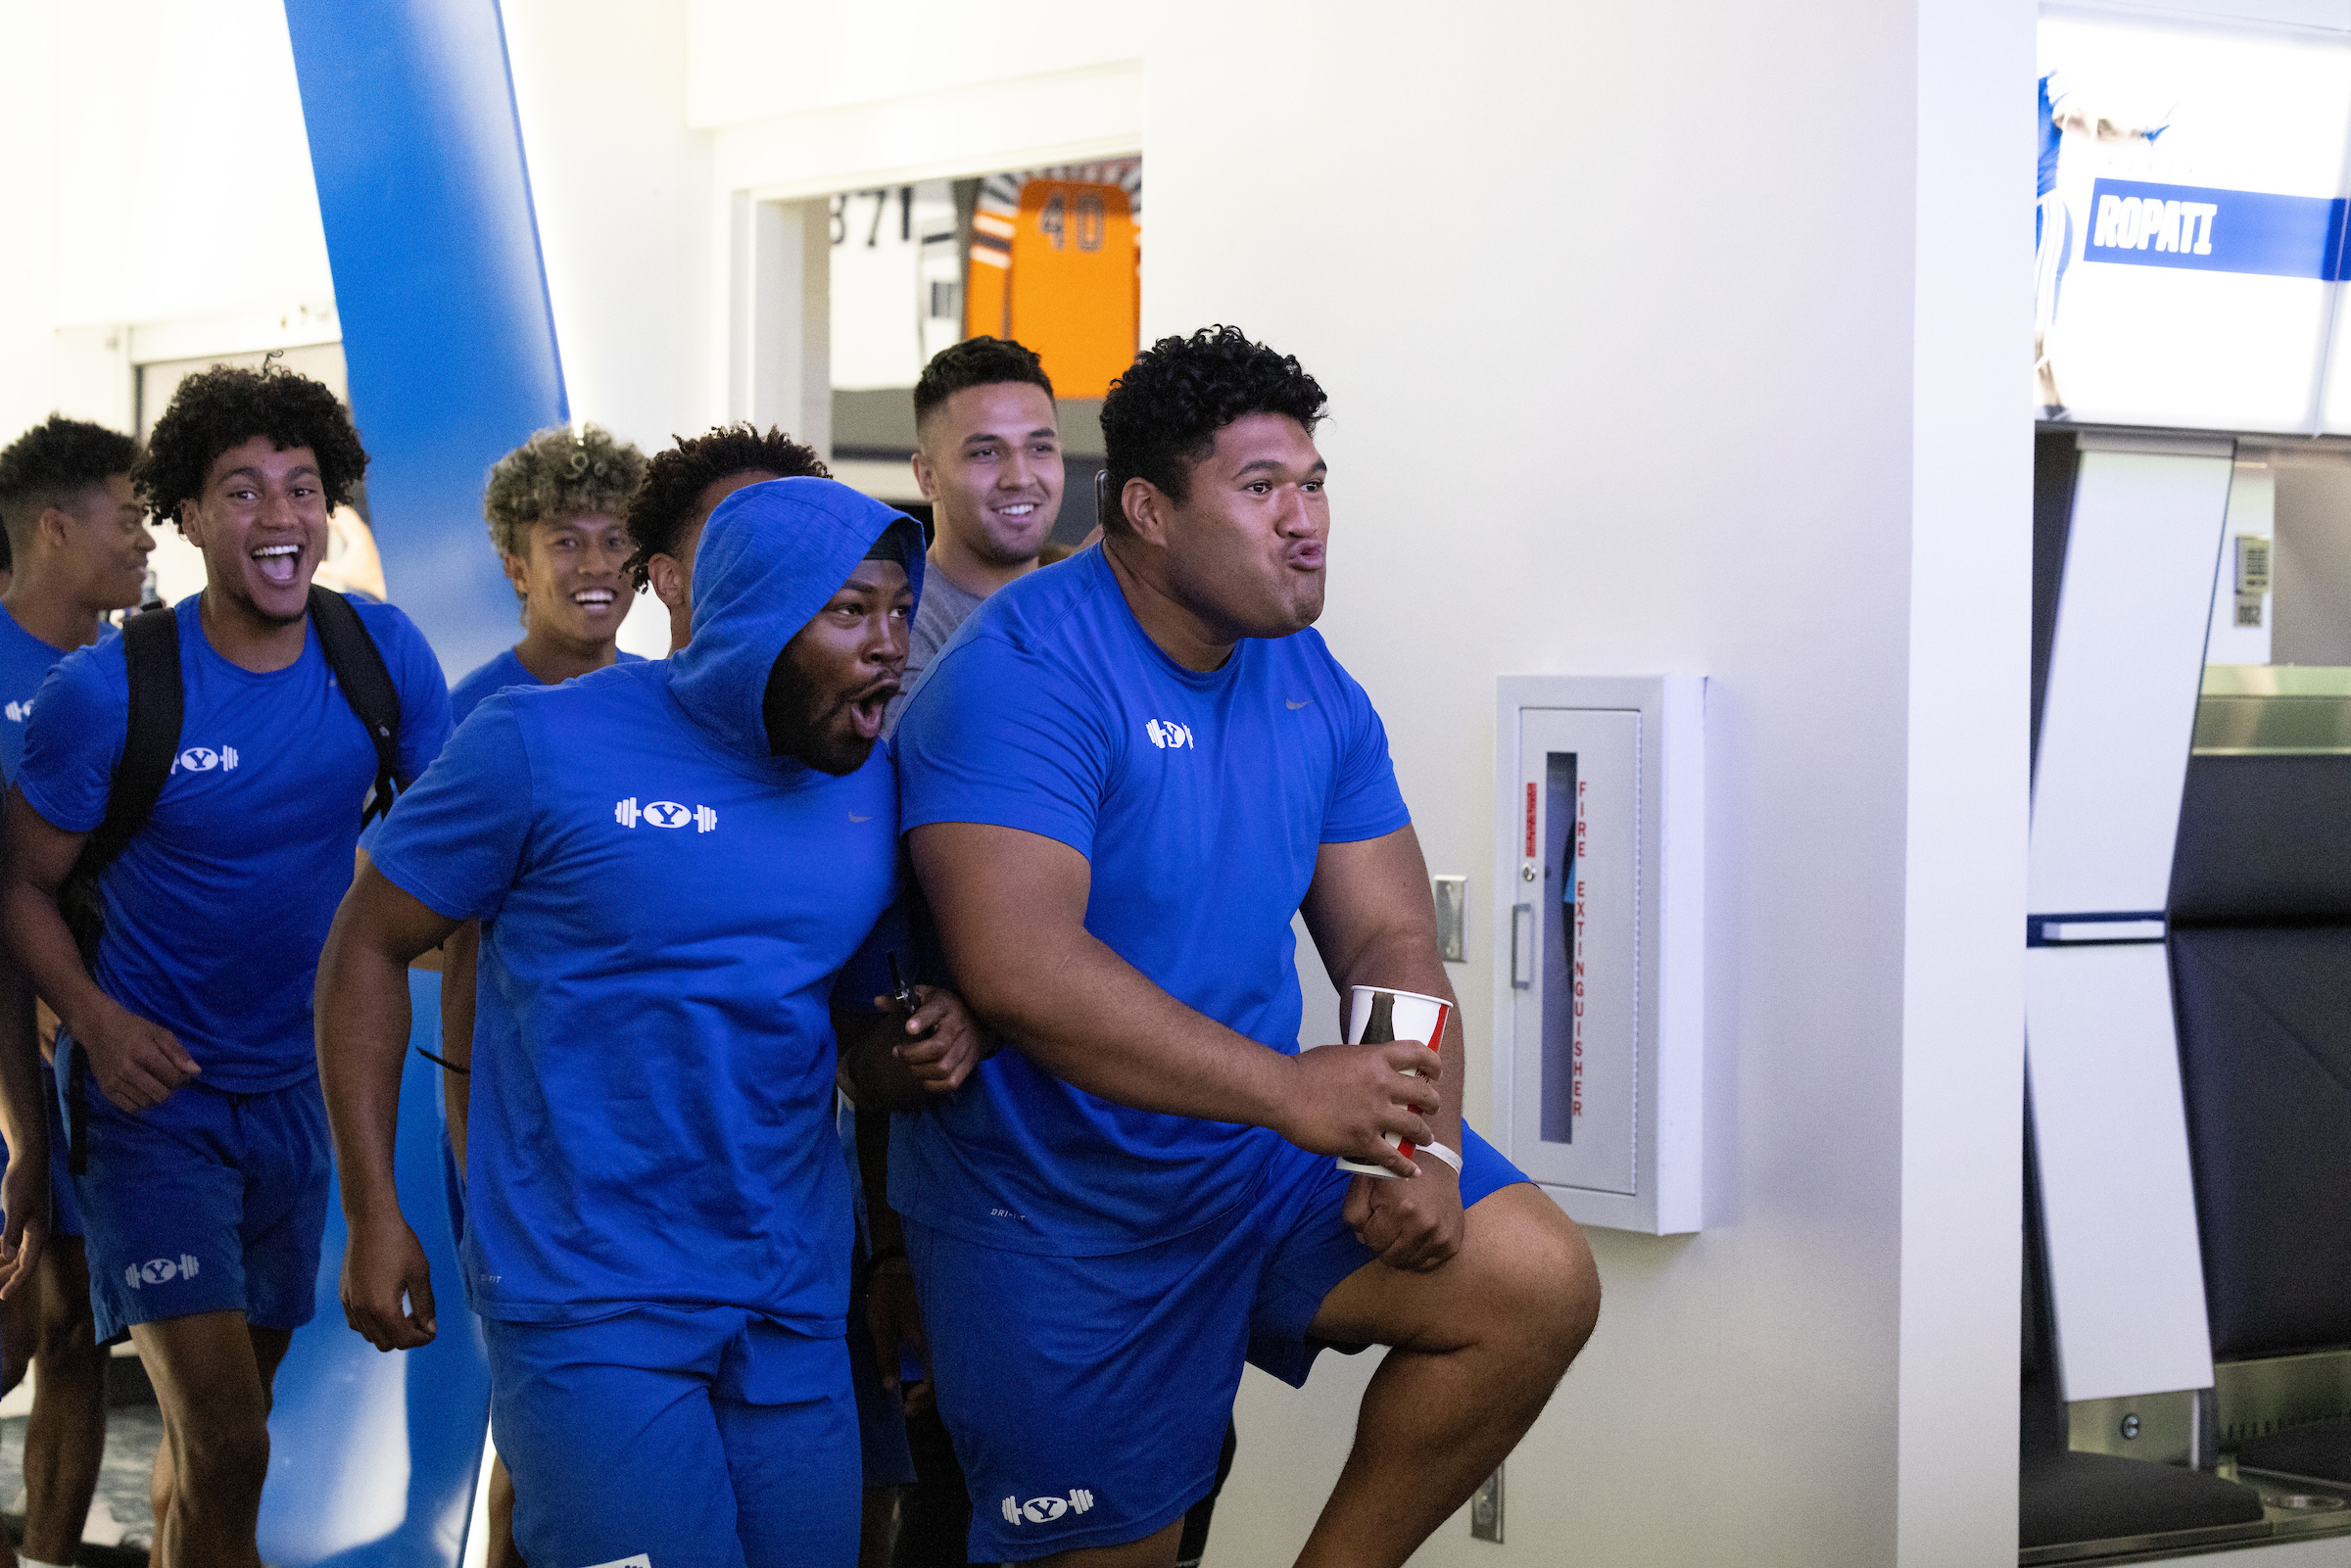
(1544, 1287)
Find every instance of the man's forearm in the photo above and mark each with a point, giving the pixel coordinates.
(44, 949)
(24, 1117)
(363, 1031)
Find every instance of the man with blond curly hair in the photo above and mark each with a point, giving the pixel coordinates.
(554, 507)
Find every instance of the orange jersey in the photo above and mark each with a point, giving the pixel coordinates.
(1061, 272)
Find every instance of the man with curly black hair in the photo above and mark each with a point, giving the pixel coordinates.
(203, 1163)
(1120, 784)
(683, 486)
(78, 544)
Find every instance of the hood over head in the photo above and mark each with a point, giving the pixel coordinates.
(769, 558)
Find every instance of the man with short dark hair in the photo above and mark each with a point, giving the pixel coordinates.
(987, 459)
(1120, 784)
(189, 1051)
(682, 487)
(681, 858)
(78, 544)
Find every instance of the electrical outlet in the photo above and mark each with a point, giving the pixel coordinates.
(1485, 1510)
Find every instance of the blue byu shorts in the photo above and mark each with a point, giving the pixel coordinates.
(1089, 1397)
(210, 1202)
(687, 1438)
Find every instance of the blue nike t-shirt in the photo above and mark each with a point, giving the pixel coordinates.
(24, 662)
(1201, 801)
(217, 910)
(498, 674)
(667, 909)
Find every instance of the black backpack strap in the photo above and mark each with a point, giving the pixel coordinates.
(150, 746)
(366, 682)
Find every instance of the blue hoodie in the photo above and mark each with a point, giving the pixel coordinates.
(668, 911)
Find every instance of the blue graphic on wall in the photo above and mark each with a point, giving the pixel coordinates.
(2138, 224)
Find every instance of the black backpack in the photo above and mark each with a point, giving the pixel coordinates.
(151, 649)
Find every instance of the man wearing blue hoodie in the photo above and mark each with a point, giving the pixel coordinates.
(681, 858)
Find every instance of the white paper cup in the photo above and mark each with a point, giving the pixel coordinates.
(1403, 1016)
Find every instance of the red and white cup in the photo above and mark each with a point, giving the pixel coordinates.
(1399, 1016)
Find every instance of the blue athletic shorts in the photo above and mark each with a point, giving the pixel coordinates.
(210, 1202)
(689, 1437)
(1087, 1396)
(64, 1212)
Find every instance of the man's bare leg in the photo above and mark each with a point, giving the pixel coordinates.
(1479, 1345)
(211, 1373)
(503, 1553)
(1152, 1551)
(64, 1438)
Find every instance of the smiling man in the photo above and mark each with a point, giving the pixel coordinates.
(1122, 782)
(673, 864)
(554, 506)
(987, 459)
(200, 1146)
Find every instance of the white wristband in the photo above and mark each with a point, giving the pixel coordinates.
(1442, 1152)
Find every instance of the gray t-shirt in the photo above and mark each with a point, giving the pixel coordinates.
(943, 608)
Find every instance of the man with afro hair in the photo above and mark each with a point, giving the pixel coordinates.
(78, 545)
(683, 486)
(1120, 784)
(200, 1141)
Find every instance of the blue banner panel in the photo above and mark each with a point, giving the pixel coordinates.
(447, 334)
(2135, 223)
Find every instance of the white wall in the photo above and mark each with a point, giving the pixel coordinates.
(1671, 338)
(162, 148)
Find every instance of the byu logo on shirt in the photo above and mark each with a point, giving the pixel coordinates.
(18, 712)
(664, 814)
(1167, 733)
(1044, 1511)
(160, 1272)
(204, 759)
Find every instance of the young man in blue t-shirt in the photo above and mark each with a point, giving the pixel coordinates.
(1122, 780)
(554, 507)
(77, 546)
(673, 863)
(200, 1139)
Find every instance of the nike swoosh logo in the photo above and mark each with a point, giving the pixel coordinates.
(1294, 706)
(853, 817)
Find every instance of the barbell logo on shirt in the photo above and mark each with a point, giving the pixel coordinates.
(1044, 1511)
(204, 759)
(1168, 735)
(160, 1272)
(664, 814)
(18, 712)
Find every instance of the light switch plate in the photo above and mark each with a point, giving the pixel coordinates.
(1453, 918)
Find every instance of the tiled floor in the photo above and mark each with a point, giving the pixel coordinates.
(121, 1515)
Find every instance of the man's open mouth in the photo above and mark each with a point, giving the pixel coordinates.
(278, 563)
(867, 709)
(594, 598)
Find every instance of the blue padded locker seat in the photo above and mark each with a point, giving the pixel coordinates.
(2317, 1451)
(2261, 977)
(2265, 1057)
(2066, 1498)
